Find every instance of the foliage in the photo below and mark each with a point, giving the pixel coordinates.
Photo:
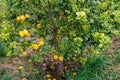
(3, 49)
(61, 31)
(117, 56)
(4, 75)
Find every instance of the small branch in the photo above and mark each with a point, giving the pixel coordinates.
(50, 15)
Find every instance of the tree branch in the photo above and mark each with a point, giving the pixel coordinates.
(50, 15)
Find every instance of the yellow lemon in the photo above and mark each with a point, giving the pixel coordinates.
(35, 46)
(28, 35)
(54, 79)
(22, 18)
(29, 61)
(41, 43)
(20, 68)
(27, 16)
(39, 26)
(24, 53)
(24, 78)
(48, 75)
(18, 18)
(74, 73)
(41, 39)
(21, 33)
(61, 58)
(65, 67)
(48, 79)
(55, 57)
(25, 32)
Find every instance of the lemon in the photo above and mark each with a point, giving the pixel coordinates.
(28, 35)
(24, 53)
(29, 61)
(21, 33)
(25, 32)
(61, 58)
(41, 43)
(22, 18)
(24, 78)
(55, 57)
(39, 26)
(54, 79)
(41, 39)
(35, 46)
(20, 68)
(48, 79)
(18, 18)
(27, 16)
(74, 73)
(48, 75)
(65, 67)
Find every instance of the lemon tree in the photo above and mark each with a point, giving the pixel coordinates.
(73, 30)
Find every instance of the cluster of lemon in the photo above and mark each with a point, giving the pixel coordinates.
(24, 33)
(23, 17)
(56, 57)
(36, 46)
(48, 76)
